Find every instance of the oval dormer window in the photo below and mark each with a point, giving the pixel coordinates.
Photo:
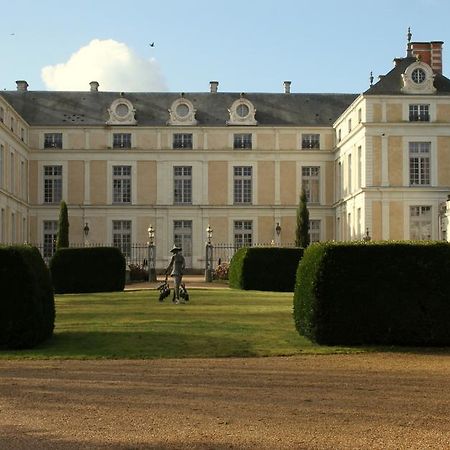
(122, 110)
(182, 112)
(418, 75)
(242, 110)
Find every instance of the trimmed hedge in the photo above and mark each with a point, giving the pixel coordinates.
(264, 268)
(27, 306)
(93, 269)
(377, 293)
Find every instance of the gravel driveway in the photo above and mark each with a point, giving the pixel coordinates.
(382, 400)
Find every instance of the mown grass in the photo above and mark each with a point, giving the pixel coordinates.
(134, 325)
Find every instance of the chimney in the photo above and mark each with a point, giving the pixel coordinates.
(287, 87)
(213, 85)
(430, 53)
(94, 86)
(22, 85)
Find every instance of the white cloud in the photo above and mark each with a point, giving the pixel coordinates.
(111, 63)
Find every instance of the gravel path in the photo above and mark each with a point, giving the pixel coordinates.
(395, 401)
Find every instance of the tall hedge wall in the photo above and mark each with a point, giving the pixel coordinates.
(264, 268)
(377, 293)
(93, 269)
(27, 307)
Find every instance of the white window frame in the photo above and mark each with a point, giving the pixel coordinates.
(109, 181)
(128, 251)
(242, 163)
(317, 232)
(251, 233)
(321, 181)
(433, 159)
(186, 181)
(124, 179)
(431, 219)
(243, 177)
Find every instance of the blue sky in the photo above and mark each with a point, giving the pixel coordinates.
(246, 45)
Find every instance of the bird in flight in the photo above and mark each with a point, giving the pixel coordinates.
(152, 44)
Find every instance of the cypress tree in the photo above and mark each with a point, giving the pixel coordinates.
(62, 240)
(302, 230)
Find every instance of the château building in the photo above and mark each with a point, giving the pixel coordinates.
(376, 162)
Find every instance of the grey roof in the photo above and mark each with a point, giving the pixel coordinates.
(391, 83)
(54, 108)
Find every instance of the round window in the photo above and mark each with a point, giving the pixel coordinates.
(182, 110)
(242, 110)
(122, 110)
(418, 76)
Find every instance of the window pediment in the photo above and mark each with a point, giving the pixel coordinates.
(121, 112)
(182, 112)
(418, 79)
(242, 112)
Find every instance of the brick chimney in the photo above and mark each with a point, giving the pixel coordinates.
(287, 87)
(22, 85)
(213, 85)
(94, 86)
(430, 53)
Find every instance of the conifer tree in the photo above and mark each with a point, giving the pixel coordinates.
(62, 240)
(302, 230)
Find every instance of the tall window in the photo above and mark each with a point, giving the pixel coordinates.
(314, 230)
(349, 171)
(349, 124)
(12, 123)
(52, 184)
(182, 140)
(243, 233)
(420, 223)
(311, 183)
(310, 141)
(242, 141)
(2, 152)
(242, 185)
(182, 184)
(12, 177)
(53, 140)
(121, 234)
(359, 167)
(122, 140)
(49, 238)
(121, 184)
(359, 115)
(419, 113)
(419, 163)
(2, 114)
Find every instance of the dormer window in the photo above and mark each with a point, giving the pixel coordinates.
(121, 112)
(182, 112)
(242, 112)
(418, 78)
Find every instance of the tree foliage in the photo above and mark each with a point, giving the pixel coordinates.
(62, 240)
(302, 230)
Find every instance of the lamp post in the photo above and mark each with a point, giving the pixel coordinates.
(278, 232)
(86, 233)
(209, 253)
(151, 254)
(367, 237)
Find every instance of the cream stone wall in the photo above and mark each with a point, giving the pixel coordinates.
(396, 220)
(76, 182)
(443, 113)
(329, 182)
(328, 228)
(376, 112)
(376, 158)
(75, 140)
(287, 140)
(288, 225)
(443, 156)
(266, 229)
(266, 183)
(395, 161)
(218, 140)
(217, 182)
(377, 218)
(288, 183)
(98, 183)
(266, 140)
(147, 140)
(146, 182)
(394, 112)
(98, 139)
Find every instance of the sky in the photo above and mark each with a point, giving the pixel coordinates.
(245, 45)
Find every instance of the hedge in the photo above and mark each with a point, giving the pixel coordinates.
(27, 306)
(264, 268)
(92, 269)
(378, 293)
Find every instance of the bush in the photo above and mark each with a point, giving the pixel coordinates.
(138, 272)
(221, 271)
(27, 304)
(264, 268)
(377, 293)
(93, 269)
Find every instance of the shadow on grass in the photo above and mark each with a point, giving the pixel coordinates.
(135, 345)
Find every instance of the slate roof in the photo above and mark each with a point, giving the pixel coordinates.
(391, 83)
(54, 108)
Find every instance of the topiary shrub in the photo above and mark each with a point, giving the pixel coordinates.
(378, 293)
(27, 304)
(93, 269)
(264, 268)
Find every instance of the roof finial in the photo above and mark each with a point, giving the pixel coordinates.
(371, 79)
(408, 47)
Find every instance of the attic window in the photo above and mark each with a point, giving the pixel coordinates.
(242, 112)
(121, 112)
(182, 112)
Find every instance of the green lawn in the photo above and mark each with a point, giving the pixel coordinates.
(216, 323)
